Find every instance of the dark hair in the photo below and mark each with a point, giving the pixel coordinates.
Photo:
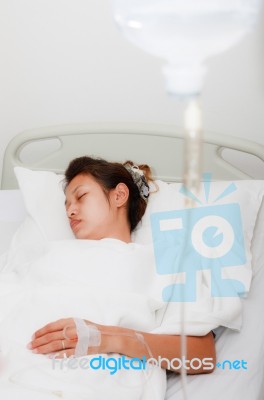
(109, 175)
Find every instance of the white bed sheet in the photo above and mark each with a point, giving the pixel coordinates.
(46, 294)
(247, 345)
(12, 213)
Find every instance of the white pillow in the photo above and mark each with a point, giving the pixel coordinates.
(248, 194)
(44, 200)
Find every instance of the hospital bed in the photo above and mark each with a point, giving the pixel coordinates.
(51, 148)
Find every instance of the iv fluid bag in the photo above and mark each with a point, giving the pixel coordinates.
(185, 32)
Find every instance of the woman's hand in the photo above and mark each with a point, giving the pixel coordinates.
(59, 339)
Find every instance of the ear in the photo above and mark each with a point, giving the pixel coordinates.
(121, 194)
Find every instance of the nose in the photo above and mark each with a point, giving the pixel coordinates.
(72, 211)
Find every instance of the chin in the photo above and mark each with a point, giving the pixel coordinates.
(84, 236)
(78, 235)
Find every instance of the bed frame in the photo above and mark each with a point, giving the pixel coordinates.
(160, 146)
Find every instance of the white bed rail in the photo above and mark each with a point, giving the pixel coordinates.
(160, 146)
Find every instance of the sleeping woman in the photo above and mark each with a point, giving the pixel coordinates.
(109, 287)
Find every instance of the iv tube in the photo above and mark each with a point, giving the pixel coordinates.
(193, 149)
(191, 180)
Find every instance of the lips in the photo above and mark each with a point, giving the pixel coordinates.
(74, 223)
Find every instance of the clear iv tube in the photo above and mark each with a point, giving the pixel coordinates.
(192, 181)
(192, 150)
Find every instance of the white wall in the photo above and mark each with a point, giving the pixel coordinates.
(64, 61)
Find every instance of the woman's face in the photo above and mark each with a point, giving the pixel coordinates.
(91, 214)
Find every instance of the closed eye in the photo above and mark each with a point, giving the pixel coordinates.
(81, 196)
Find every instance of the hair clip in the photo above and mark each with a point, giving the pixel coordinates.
(140, 180)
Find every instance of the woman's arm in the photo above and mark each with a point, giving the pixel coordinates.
(162, 346)
(115, 339)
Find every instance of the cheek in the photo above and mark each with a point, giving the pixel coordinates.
(102, 206)
(93, 211)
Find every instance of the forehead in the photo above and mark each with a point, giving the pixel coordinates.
(79, 181)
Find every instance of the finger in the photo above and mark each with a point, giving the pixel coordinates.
(53, 327)
(69, 334)
(45, 339)
(55, 346)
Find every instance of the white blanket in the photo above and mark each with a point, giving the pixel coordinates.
(107, 282)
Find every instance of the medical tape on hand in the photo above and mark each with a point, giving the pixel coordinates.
(87, 336)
